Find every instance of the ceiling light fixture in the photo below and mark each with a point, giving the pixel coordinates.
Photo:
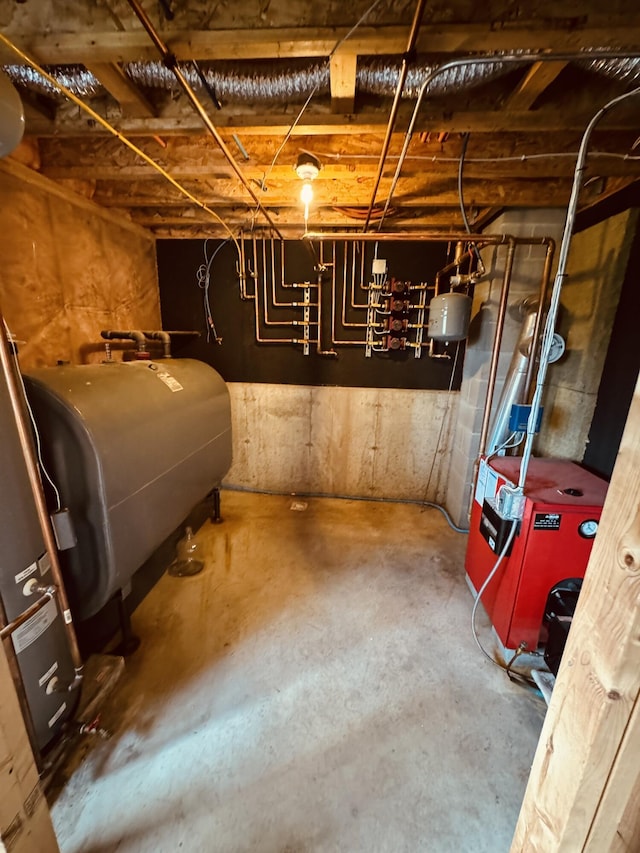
(307, 169)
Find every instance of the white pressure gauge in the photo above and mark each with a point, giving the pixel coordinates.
(557, 348)
(588, 528)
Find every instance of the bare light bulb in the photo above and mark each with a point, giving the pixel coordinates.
(306, 197)
(306, 194)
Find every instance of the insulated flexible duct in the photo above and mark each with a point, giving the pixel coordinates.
(626, 71)
(75, 77)
(295, 80)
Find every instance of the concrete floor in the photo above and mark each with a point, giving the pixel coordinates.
(315, 688)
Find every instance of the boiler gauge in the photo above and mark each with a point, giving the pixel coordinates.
(557, 348)
(588, 529)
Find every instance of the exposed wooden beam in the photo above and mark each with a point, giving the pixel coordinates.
(585, 772)
(135, 46)
(538, 78)
(181, 217)
(343, 82)
(327, 124)
(511, 168)
(418, 191)
(120, 87)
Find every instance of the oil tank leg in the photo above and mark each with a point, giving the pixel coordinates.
(128, 642)
(216, 518)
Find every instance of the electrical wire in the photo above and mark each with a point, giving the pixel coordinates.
(313, 92)
(434, 158)
(36, 434)
(517, 677)
(121, 137)
(203, 278)
(513, 440)
(463, 151)
(444, 419)
(233, 487)
(482, 590)
(467, 227)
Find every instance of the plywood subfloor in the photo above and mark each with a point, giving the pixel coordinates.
(315, 688)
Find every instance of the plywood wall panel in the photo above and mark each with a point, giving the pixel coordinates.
(67, 274)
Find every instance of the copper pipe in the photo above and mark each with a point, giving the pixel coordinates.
(495, 352)
(404, 236)
(404, 67)
(256, 307)
(345, 323)
(334, 294)
(12, 626)
(320, 269)
(542, 300)
(33, 471)
(172, 64)
(265, 307)
(458, 261)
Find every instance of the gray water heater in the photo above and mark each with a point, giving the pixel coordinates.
(133, 448)
(449, 315)
(40, 644)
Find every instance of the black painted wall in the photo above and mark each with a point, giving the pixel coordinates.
(240, 359)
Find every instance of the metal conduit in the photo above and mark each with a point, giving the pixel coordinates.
(510, 59)
(411, 43)
(170, 61)
(547, 338)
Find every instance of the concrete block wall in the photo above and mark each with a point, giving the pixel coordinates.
(527, 272)
(597, 265)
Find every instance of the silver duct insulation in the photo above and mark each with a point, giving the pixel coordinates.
(75, 77)
(379, 76)
(295, 80)
(239, 81)
(626, 71)
(514, 386)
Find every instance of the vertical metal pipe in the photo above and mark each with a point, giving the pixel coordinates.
(565, 244)
(282, 273)
(320, 269)
(495, 352)
(33, 472)
(542, 301)
(404, 67)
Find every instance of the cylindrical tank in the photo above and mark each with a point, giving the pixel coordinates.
(133, 448)
(40, 643)
(449, 315)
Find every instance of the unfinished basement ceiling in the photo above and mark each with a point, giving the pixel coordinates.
(264, 59)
